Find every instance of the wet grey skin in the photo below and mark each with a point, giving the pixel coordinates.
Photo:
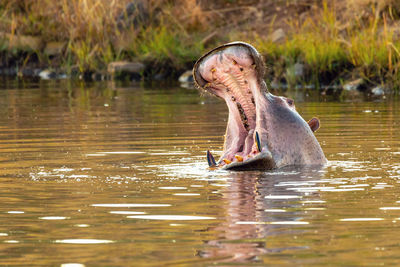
(264, 131)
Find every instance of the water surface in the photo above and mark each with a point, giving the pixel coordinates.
(112, 175)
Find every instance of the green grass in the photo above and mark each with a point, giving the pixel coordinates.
(331, 45)
(89, 27)
(160, 44)
(367, 49)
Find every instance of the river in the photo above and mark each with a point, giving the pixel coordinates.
(107, 174)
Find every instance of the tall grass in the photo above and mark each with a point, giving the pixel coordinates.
(93, 36)
(336, 38)
(160, 44)
(375, 52)
(365, 48)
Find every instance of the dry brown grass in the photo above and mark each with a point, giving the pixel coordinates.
(92, 31)
(326, 35)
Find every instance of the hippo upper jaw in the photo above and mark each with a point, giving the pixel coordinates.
(263, 131)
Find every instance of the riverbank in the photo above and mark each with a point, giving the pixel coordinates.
(354, 45)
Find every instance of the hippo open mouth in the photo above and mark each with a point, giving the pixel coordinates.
(264, 131)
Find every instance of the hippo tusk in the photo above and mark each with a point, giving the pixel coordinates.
(210, 159)
(258, 142)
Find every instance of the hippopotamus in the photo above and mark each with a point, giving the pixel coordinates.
(264, 131)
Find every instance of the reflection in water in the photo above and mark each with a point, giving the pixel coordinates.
(107, 175)
(171, 217)
(83, 241)
(258, 207)
(53, 218)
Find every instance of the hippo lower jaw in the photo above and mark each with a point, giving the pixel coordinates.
(263, 131)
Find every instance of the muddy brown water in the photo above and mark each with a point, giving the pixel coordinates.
(111, 175)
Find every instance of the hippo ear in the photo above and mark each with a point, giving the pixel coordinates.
(314, 124)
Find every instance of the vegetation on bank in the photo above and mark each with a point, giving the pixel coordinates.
(335, 49)
(93, 33)
(333, 41)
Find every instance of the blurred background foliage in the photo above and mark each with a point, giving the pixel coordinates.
(333, 39)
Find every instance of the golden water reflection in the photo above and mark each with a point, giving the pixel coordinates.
(106, 174)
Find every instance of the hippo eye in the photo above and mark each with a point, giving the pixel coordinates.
(290, 101)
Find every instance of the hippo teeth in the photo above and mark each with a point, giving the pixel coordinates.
(227, 161)
(239, 158)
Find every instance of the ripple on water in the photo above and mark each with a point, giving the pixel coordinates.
(171, 217)
(82, 225)
(275, 223)
(125, 212)
(72, 265)
(84, 241)
(172, 187)
(361, 219)
(130, 205)
(63, 170)
(310, 189)
(283, 197)
(54, 218)
(389, 208)
(122, 152)
(173, 153)
(354, 185)
(343, 189)
(186, 194)
(275, 210)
